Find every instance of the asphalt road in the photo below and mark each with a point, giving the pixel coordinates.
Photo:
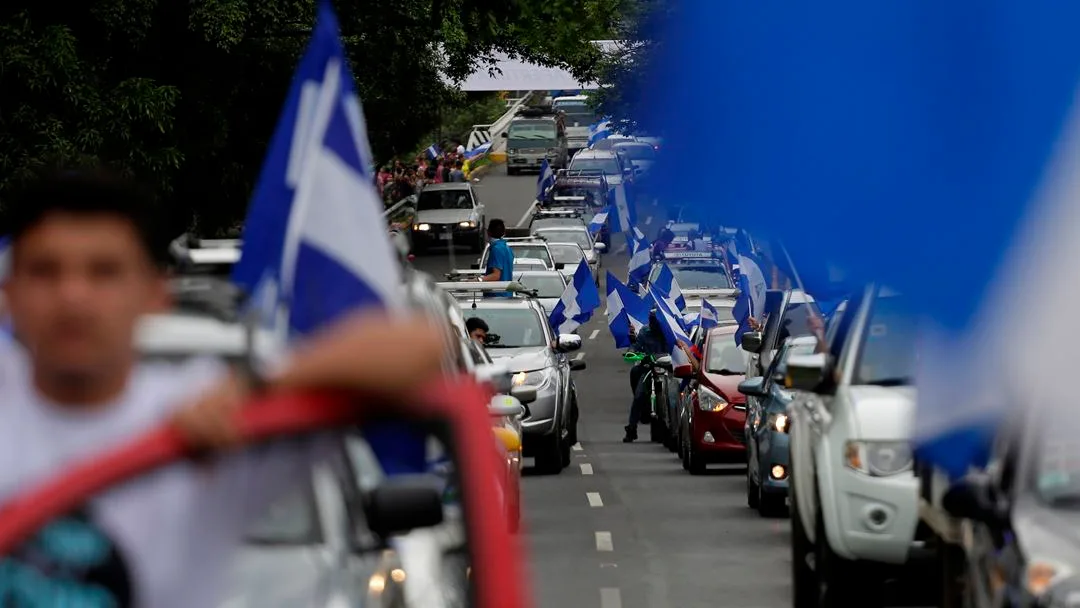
(625, 526)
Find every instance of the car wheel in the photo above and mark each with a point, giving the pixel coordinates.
(478, 246)
(770, 505)
(685, 456)
(549, 456)
(752, 493)
(835, 575)
(695, 461)
(657, 432)
(564, 452)
(803, 578)
(575, 414)
(511, 171)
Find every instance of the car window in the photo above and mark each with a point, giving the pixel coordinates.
(444, 199)
(796, 321)
(578, 237)
(887, 354)
(293, 519)
(637, 151)
(724, 356)
(609, 166)
(546, 286)
(536, 252)
(554, 222)
(515, 327)
(701, 277)
(566, 253)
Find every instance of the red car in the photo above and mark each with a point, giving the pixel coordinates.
(713, 410)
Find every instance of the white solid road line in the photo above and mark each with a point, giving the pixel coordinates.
(594, 333)
(610, 598)
(528, 214)
(577, 447)
(586, 468)
(603, 542)
(594, 499)
(648, 220)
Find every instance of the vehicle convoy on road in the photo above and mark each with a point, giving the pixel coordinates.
(579, 118)
(448, 215)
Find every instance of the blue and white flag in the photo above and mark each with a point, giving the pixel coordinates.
(432, 152)
(598, 220)
(625, 216)
(314, 237)
(598, 131)
(478, 151)
(756, 284)
(625, 311)
(856, 109)
(691, 320)
(672, 326)
(667, 285)
(710, 318)
(640, 259)
(578, 301)
(741, 311)
(545, 180)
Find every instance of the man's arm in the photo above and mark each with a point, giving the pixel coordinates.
(493, 276)
(366, 352)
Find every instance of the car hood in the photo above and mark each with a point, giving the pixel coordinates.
(548, 304)
(882, 413)
(568, 270)
(522, 359)
(727, 385)
(444, 216)
(277, 576)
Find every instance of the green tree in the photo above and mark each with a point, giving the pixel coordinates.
(187, 93)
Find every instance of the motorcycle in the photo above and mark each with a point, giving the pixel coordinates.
(659, 375)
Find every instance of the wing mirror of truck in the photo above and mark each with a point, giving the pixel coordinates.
(398, 506)
(569, 342)
(751, 341)
(753, 387)
(806, 372)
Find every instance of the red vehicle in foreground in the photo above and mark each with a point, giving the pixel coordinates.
(713, 411)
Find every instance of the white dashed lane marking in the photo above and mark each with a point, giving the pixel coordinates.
(586, 468)
(648, 220)
(610, 598)
(579, 356)
(594, 333)
(603, 542)
(576, 447)
(594, 499)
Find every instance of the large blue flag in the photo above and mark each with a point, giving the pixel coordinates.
(625, 311)
(314, 238)
(578, 301)
(924, 144)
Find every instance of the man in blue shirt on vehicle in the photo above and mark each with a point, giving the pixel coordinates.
(500, 260)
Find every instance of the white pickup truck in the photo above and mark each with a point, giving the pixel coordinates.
(854, 498)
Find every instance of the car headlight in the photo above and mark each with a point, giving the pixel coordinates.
(511, 152)
(1041, 574)
(780, 422)
(422, 227)
(878, 458)
(467, 224)
(708, 401)
(538, 378)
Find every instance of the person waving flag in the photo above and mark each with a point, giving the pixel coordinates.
(578, 301)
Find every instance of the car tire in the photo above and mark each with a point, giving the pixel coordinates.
(770, 505)
(804, 585)
(564, 453)
(511, 171)
(575, 415)
(696, 464)
(684, 456)
(657, 430)
(549, 456)
(478, 246)
(835, 575)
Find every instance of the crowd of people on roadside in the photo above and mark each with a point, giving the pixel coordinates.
(399, 180)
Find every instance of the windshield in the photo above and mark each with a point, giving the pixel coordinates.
(606, 144)
(887, 354)
(515, 327)
(724, 356)
(444, 199)
(532, 131)
(536, 252)
(608, 165)
(577, 237)
(546, 285)
(290, 520)
(701, 277)
(554, 222)
(590, 193)
(637, 151)
(566, 253)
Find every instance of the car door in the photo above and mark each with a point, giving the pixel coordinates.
(756, 415)
(774, 303)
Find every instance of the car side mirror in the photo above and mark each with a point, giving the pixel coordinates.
(509, 405)
(751, 341)
(972, 498)
(754, 387)
(806, 372)
(684, 371)
(524, 395)
(398, 506)
(664, 362)
(569, 342)
(600, 247)
(577, 365)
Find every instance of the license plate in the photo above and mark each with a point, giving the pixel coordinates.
(446, 237)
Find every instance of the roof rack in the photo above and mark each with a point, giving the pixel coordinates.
(538, 111)
(477, 289)
(560, 211)
(521, 239)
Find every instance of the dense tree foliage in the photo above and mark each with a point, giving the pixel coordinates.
(186, 93)
(626, 94)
